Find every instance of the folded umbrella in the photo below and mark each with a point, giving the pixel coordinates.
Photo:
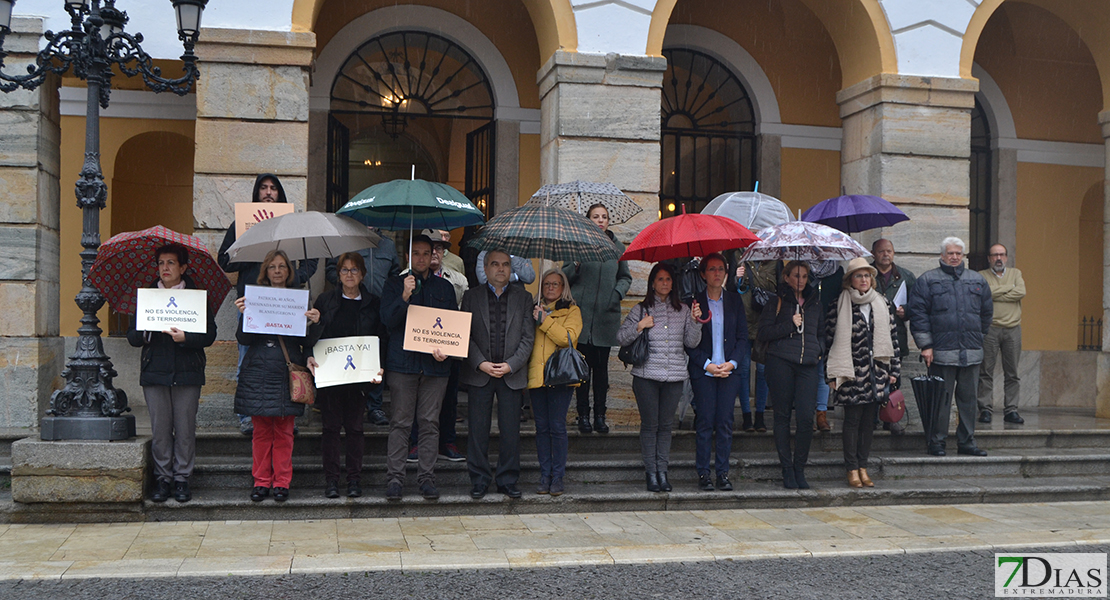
(126, 262)
(303, 235)
(928, 392)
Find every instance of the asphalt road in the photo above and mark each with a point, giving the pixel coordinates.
(949, 575)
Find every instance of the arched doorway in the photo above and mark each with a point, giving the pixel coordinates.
(708, 133)
(409, 99)
(980, 216)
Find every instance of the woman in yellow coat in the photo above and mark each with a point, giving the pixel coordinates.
(558, 323)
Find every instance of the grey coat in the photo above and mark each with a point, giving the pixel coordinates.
(598, 288)
(520, 333)
(950, 310)
(668, 338)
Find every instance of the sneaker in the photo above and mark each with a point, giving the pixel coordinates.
(181, 491)
(451, 452)
(246, 427)
(429, 491)
(414, 455)
(354, 490)
(377, 417)
(331, 490)
(161, 491)
(394, 491)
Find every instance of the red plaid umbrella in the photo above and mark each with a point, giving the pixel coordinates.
(127, 262)
(688, 235)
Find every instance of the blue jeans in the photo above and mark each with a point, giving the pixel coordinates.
(745, 372)
(822, 389)
(715, 400)
(550, 405)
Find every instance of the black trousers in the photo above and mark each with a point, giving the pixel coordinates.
(341, 408)
(859, 428)
(480, 409)
(792, 387)
(597, 357)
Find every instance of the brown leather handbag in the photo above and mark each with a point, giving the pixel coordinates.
(302, 388)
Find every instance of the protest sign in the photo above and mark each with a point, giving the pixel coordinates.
(275, 311)
(248, 214)
(429, 328)
(346, 360)
(159, 310)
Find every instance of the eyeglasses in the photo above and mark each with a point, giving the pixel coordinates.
(996, 254)
(349, 272)
(438, 250)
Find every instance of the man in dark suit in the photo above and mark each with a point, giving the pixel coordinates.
(501, 336)
(712, 365)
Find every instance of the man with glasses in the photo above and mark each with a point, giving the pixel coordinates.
(1004, 336)
(950, 311)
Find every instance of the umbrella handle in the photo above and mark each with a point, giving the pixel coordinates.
(708, 314)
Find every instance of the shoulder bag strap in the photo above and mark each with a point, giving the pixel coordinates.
(288, 363)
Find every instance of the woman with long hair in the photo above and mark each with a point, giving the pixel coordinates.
(863, 362)
(558, 325)
(672, 327)
(792, 327)
(263, 390)
(598, 287)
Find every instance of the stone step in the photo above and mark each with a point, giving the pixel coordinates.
(310, 504)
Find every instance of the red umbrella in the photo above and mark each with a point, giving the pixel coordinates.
(127, 262)
(688, 235)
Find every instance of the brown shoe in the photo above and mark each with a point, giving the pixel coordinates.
(822, 421)
(853, 479)
(864, 479)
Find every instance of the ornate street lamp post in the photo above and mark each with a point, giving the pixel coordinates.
(88, 407)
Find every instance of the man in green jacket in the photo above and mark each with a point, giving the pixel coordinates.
(895, 283)
(1004, 336)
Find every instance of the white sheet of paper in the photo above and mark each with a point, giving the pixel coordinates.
(346, 360)
(900, 296)
(275, 311)
(158, 310)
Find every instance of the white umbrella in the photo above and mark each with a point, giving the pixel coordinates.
(751, 209)
(303, 235)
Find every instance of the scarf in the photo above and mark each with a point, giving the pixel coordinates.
(840, 355)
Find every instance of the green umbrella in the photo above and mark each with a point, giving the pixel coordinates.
(412, 204)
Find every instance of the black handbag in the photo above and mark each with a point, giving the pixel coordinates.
(565, 366)
(635, 353)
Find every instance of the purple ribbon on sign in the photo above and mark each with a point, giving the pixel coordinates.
(350, 363)
(439, 323)
(172, 303)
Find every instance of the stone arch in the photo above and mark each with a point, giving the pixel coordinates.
(1088, 18)
(858, 28)
(423, 18)
(552, 19)
(148, 166)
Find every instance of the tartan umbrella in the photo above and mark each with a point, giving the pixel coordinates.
(126, 262)
(688, 235)
(548, 232)
(579, 196)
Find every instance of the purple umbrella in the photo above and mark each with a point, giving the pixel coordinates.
(855, 213)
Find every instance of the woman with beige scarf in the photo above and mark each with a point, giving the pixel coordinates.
(863, 362)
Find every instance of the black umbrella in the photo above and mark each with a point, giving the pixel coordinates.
(928, 392)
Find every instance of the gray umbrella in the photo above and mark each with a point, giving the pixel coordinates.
(303, 235)
(579, 196)
(751, 209)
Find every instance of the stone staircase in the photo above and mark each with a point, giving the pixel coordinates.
(604, 473)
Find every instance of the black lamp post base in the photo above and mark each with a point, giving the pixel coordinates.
(88, 428)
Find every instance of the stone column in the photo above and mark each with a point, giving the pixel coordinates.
(600, 122)
(252, 117)
(908, 140)
(30, 133)
(1102, 385)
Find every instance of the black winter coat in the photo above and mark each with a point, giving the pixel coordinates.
(776, 326)
(950, 310)
(368, 319)
(164, 361)
(263, 388)
(434, 292)
(870, 384)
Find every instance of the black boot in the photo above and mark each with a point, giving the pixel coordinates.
(664, 485)
(800, 478)
(788, 480)
(760, 426)
(599, 424)
(747, 426)
(652, 481)
(584, 424)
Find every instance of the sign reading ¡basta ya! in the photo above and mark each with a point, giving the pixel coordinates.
(347, 360)
(158, 310)
(429, 328)
(275, 311)
(248, 214)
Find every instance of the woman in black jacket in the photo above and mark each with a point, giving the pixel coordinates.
(792, 327)
(348, 310)
(863, 362)
(172, 374)
(263, 390)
